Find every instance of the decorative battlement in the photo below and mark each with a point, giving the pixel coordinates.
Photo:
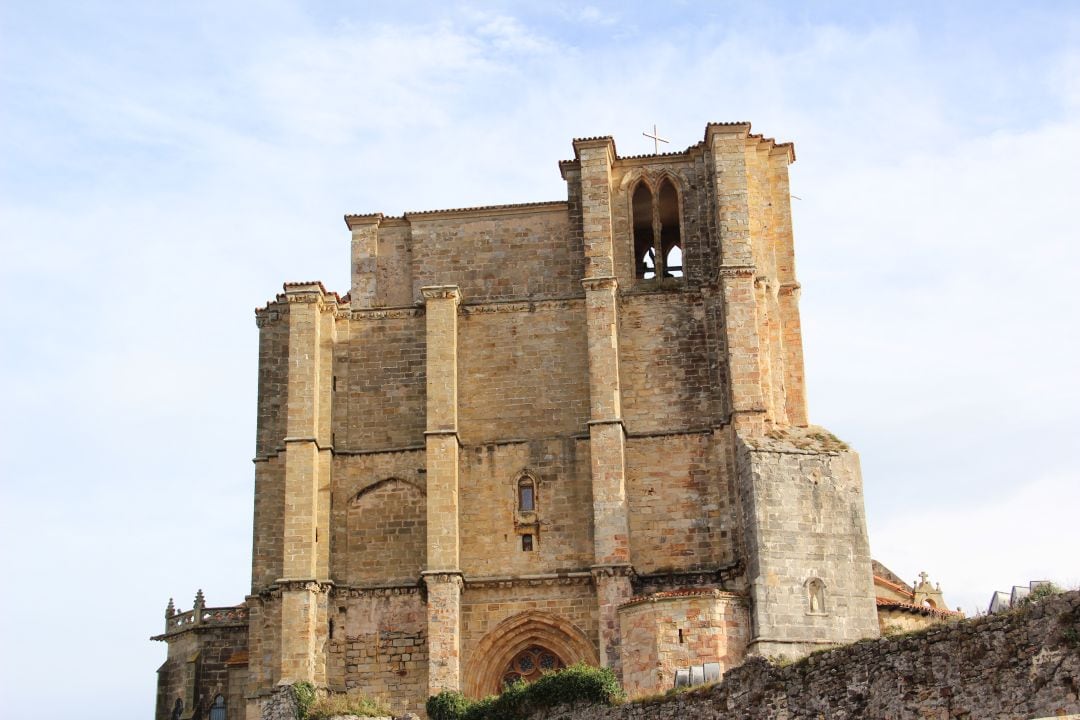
(201, 616)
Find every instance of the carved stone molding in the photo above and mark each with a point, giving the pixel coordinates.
(441, 292)
(439, 577)
(527, 306)
(737, 271)
(264, 317)
(793, 289)
(608, 571)
(565, 580)
(379, 314)
(382, 591)
(305, 298)
(721, 578)
(600, 283)
(309, 585)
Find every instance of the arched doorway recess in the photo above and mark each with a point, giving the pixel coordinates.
(515, 638)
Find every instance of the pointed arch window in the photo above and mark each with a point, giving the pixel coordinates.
(177, 709)
(658, 249)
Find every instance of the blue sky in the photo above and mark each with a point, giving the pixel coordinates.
(164, 167)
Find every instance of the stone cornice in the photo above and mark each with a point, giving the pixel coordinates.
(734, 270)
(359, 591)
(308, 584)
(512, 306)
(442, 577)
(380, 313)
(614, 570)
(356, 221)
(673, 595)
(715, 578)
(546, 580)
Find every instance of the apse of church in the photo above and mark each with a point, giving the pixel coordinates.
(541, 434)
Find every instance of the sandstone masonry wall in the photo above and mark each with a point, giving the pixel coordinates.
(1014, 666)
(681, 512)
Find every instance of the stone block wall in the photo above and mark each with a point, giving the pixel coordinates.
(492, 525)
(664, 632)
(523, 371)
(367, 489)
(379, 380)
(379, 646)
(804, 521)
(681, 509)
(666, 363)
(1014, 666)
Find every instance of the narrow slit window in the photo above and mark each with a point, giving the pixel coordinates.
(644, 239)
(526, 543)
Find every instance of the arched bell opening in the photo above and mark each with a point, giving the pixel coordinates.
(670, 233)
(644, 237)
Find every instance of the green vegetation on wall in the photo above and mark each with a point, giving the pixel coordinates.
(577, 683)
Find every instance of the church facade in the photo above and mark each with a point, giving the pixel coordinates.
(540, 434)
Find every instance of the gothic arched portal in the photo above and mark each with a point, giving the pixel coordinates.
(520, 642)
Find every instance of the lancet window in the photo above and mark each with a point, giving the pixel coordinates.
(658, 250)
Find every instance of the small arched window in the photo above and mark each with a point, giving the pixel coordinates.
(217, 710)
(177, 709)
(526, 492)
(815, 591)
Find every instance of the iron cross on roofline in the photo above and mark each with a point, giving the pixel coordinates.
(656, 140)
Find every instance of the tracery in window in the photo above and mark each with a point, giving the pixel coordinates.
(658, 246)
(530, 664)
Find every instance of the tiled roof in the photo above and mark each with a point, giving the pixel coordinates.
(920, 609)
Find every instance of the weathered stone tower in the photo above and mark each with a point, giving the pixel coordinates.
(539, 434)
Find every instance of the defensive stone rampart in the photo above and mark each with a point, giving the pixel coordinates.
(1022, 665)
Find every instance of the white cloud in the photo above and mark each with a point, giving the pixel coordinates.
(989, 542)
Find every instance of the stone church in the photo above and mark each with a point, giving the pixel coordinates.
(541, 434)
